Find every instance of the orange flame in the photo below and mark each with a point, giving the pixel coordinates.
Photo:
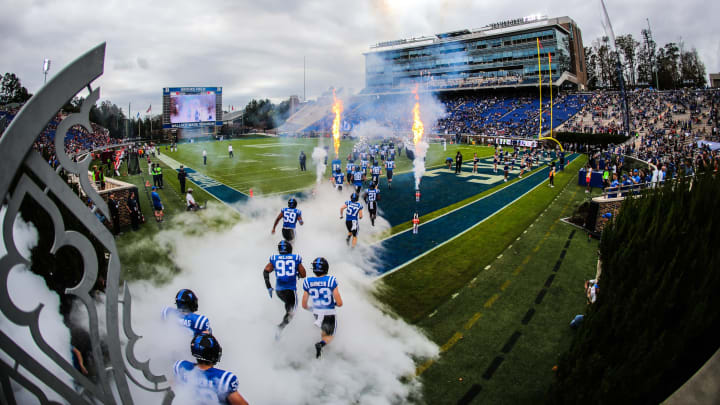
(337, 108)
(417, 128)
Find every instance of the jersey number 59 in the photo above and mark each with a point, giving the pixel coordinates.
(289, 216)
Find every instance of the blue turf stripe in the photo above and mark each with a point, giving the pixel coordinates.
(403, 247)
(222, 192)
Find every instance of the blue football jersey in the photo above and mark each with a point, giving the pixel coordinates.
(352, 210)
(196, 323)
(349, 167)
(339, 178)
(357, 177)
(364, 164)
(285, 271)
(290, 217)
(376, 170)
(211, 386)
(321, 290)
(390, 165)
(372, 194)
(336, 165)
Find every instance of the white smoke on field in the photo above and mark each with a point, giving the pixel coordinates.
(419, 161)
(372, 351)
(371, 129)
(318, 156)
(28, 290)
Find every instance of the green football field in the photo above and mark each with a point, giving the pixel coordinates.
(270, 165)
(497, 300)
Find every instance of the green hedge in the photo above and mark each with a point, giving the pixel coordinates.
(651, 327)
(590, 139)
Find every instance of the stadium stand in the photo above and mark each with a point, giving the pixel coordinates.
(471, 114)
(77, 139)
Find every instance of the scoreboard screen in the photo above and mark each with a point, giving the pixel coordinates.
(192, 107)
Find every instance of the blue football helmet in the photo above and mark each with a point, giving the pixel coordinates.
(292, 203)
(354, 197)
(186, 300)
(205, 347)
(284, 247)
(320, 266)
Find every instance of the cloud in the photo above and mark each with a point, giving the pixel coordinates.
(143, 63)
(256, 49)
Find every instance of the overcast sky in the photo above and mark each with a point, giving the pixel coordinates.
(255, 49)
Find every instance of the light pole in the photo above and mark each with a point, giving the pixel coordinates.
(46, 69)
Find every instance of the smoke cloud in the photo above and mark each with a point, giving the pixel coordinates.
(28, 290)
(372, 351)
(419, 161)
(371, 129)
(318, 156)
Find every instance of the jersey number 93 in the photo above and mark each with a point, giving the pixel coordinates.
(285, 268)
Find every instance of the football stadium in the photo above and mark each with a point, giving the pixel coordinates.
(500, 215)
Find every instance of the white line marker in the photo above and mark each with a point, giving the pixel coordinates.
(487, 267)
(518, 238)
(500, 257)
(433, 314)
(454, 295)
(400, 266)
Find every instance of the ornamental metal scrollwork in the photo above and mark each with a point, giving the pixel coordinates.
(26, 175)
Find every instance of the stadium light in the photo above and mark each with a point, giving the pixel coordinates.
(46, 68)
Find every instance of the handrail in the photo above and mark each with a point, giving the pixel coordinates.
(634, 189)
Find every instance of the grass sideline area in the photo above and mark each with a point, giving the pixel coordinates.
(271, 165)
(444, 271)
(139, 257)
(493, 351)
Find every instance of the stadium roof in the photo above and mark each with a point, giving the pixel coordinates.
(232, 115)
(498, 28)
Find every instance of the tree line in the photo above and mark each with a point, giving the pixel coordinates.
(643, 63)
(258, 114)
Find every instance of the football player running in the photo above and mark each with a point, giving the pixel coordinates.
(186, 303)
(290, 217)
(372, 196)
(288, 268)
(207, 384)
(376, 171)
(358, 178)
(337, 180)
(389, 167)
(325, 297)
(353, 212)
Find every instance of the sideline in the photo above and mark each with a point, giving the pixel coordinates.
(222, 192)
(394, 245)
